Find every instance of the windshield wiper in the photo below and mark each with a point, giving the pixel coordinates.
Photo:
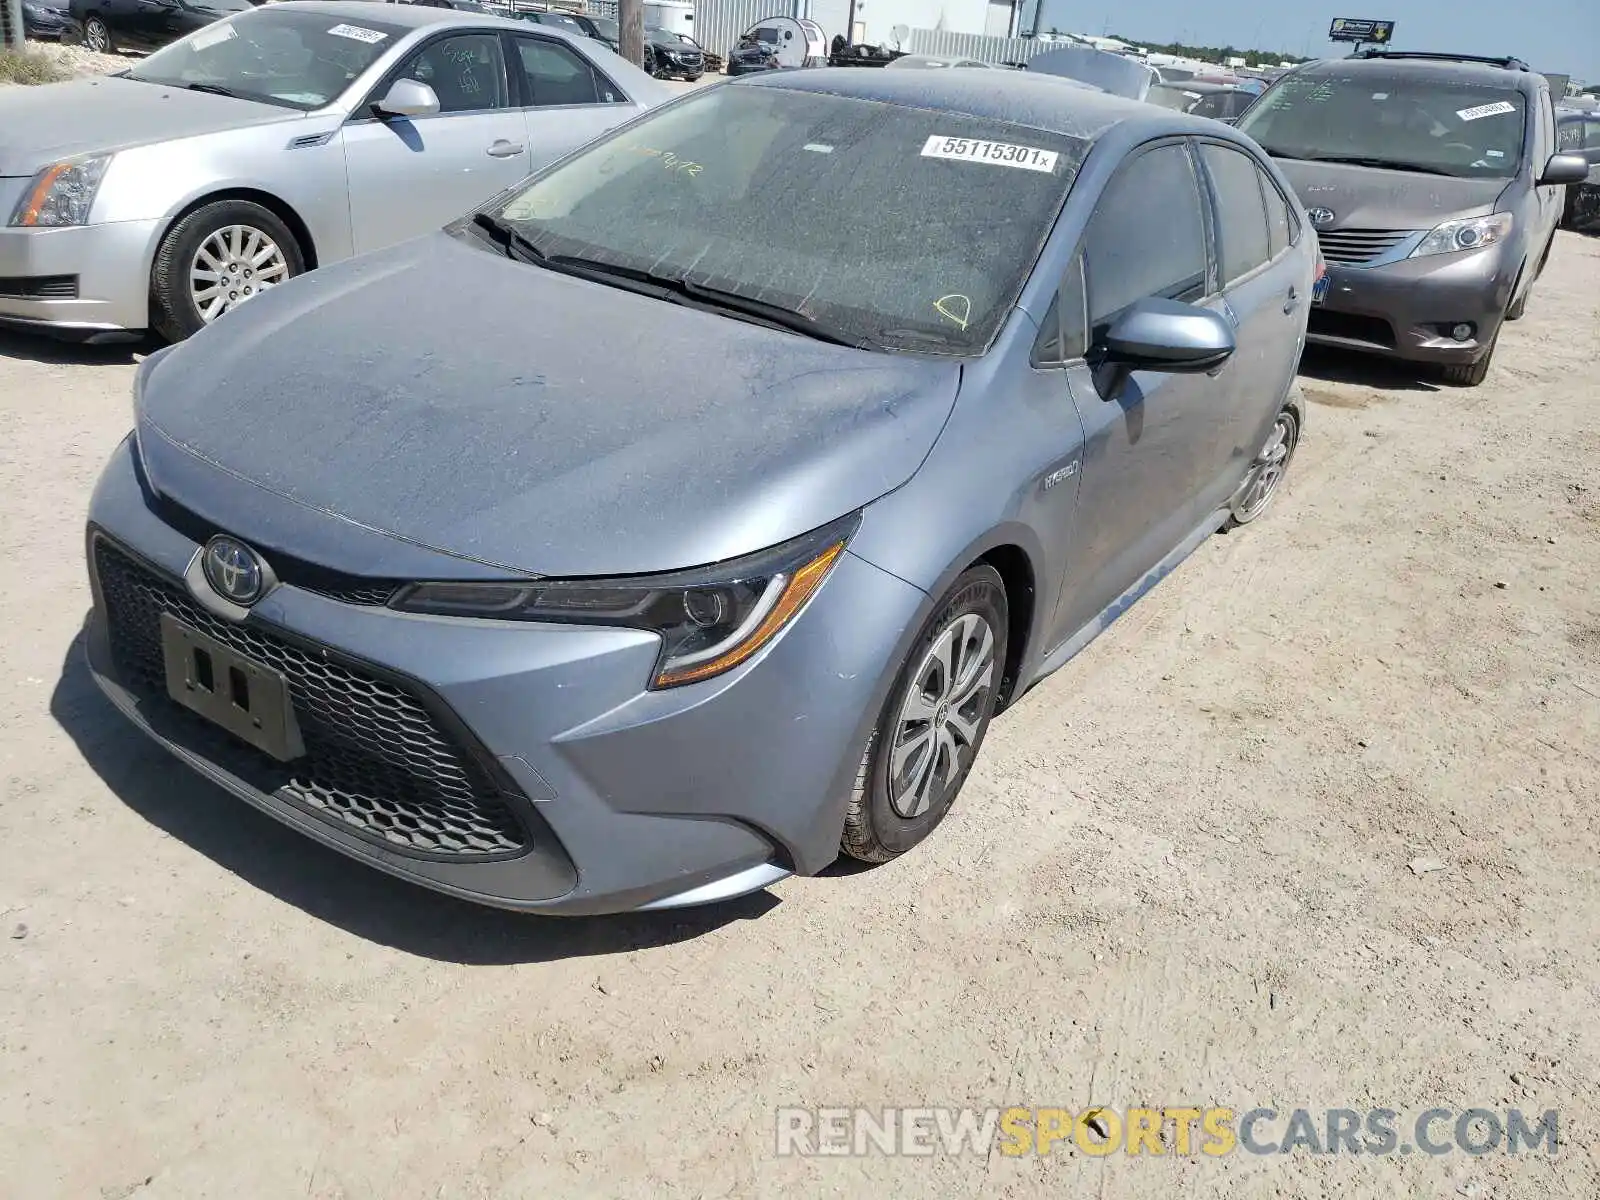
(213, 89)
(516, 244)
(684, 291)
(1384, 163)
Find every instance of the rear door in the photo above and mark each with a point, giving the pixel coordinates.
(564, 99)
(1149, 463)
(410, 175)
(1265, 293)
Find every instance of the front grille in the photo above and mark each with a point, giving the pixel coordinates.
(1357, 247)
(1351, 326)
(38, 287)
(308, 576)
(377, 762)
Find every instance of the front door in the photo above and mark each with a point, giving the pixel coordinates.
(411, 175)
(1149, 450)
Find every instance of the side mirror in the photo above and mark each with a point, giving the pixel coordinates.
(408, 98)
(1565, 169)
(1161, 335)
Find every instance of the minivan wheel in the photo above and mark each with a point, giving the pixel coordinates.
(933, 722)
(1265, 476)
(97, 36)
(214, 260)
(1471, 374)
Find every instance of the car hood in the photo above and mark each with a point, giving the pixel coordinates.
(42, 125)
(1368, 198)
(438, 396)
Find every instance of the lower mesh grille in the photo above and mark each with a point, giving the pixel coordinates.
(377, 762)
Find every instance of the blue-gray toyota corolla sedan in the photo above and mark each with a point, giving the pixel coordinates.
(685, 514)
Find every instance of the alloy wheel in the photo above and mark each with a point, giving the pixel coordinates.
(96, 36)
(942, 717)
(234, 264)
(1269, 468)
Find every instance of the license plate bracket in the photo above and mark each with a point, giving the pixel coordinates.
(1320, 289)
(247, 698)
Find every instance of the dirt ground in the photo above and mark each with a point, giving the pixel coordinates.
(1182, 872)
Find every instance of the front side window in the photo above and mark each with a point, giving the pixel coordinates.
(556, 75)
(903, 228)
(1376, 119)
(465, 71)
(1241, 216)
(276, 54)
(1147, 236)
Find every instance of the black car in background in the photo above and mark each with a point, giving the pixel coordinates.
(667, 55)
(756, 51)
(49, 21)
(565, 22)
(1220, 101)
(111, 25)
(1578, 132)
(601, 29)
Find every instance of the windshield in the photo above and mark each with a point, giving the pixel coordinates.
(605, 27)
(278, 54)
(901, 227)
(562, 21)
(1436, 127)
(1175, 98)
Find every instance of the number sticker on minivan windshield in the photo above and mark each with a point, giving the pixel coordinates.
(1498, 108)
(1000, 154)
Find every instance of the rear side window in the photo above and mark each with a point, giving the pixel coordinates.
(553, 75)
(1280, 221)
(1241, 215)
(1147, 236)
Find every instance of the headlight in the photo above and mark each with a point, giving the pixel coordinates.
(710, 619)
(1471, 233)
(62, 193)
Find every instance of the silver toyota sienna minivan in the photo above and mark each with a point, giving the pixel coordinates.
(1435, 188)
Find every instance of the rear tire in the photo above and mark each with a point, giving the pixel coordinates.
(97, 36)
(1471, 374)
(1265, 476)
(933, 722)
(272, 256)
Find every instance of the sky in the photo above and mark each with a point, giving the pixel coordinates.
(1556, 36)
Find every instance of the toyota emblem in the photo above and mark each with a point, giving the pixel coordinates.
(233, 569)
(1321, 216)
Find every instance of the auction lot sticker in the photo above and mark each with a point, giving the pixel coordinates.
(1000, 154)
(1498, 108)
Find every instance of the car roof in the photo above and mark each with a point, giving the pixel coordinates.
(407, 16)
(1450, 70)
(1015, 97)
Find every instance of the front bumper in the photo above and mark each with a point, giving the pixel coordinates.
(628, 798)
(1405, 310)
(109, 265)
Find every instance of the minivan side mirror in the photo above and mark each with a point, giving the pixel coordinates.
(1161, 335)
(1565, 169)
(409, 98)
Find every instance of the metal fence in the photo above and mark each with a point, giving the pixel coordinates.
(947, 44)
(718, 23)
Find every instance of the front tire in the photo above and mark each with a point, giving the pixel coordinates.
(216, 258)
(1471, 374)
(933, 722)
(97, 36)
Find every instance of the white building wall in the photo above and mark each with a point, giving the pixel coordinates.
(881, 16)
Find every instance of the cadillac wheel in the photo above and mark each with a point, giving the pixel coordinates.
(215, 259)
(934, 722)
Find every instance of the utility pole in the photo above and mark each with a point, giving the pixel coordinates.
(630, 34)
(12, 26)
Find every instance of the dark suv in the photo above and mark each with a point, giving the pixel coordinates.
(1435, 187)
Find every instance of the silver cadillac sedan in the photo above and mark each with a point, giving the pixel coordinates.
(276, 141)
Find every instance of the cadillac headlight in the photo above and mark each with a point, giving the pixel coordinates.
(709, 619)
(1470, 233)
(62, 193)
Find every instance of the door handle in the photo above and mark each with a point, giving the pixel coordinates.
(1292, 301)
(505, 149)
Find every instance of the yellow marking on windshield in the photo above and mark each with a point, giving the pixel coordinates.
(955, 308)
